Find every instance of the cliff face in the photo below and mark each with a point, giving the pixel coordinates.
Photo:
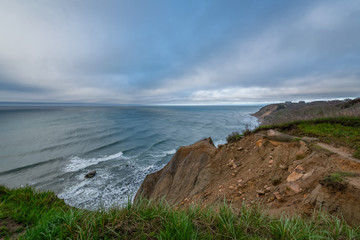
(187, 174)
(286, 176)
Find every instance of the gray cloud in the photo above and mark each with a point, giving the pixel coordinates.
(163, 53)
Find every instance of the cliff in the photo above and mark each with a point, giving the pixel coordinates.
(285, 112)
(287, 175)
(188, 173)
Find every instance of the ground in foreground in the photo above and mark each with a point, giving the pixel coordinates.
(44, 216)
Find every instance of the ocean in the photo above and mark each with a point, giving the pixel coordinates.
(52, 148)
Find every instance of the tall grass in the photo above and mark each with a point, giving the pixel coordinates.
(46, 217)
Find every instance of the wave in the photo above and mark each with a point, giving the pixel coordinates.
(140, 147)
(163, 153)
(102, 191)
(31, 166)
(78, 163)
(108, 145)
(107, 131)
(160, 142)
(219, 142)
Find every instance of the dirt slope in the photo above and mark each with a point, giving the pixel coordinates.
(285, 176)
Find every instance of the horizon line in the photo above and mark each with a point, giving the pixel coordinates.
(2, 104)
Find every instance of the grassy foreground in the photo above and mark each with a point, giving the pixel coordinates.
(344, 131)
(44, 216)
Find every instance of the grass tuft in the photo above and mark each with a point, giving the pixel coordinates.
(52, 219)
(337, 181)
(234, 137)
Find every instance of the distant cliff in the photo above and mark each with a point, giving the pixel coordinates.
(285, 112)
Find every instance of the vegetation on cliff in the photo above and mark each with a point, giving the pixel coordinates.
(343, 131)
(44, 216)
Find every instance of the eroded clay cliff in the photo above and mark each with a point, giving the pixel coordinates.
(285, 176)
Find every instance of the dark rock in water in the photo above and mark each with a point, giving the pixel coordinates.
(90, 174)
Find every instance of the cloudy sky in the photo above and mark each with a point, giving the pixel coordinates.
(178, 52)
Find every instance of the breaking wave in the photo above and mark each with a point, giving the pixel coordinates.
(77, 163)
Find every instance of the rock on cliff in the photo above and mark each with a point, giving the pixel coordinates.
(285, 176)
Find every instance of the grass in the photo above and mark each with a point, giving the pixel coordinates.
(46, 217)
(234, 137)
(339, 176)
(336, 180)
(343, 131)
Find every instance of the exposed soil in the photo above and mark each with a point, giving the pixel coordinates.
(284, 176)
(10, 229)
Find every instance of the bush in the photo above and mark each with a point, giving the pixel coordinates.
(233, 137)
(351, 103)
(247, 132)
(336, 180)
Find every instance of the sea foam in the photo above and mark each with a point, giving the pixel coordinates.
(78, 163)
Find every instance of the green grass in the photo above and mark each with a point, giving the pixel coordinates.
(343, 131)
(46, 217)
(337, 181)
(339, 176)
(234, 137)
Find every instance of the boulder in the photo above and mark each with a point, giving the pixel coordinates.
(278, 136)
(294, 176)
(260, 192)
(292, 188)
(278, 196)
(90, 174)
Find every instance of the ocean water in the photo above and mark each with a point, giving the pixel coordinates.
(52, 148)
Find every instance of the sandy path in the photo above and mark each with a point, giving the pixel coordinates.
(339, 151)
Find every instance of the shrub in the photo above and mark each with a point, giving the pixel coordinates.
(247, 132)
(351, 103)
(233, 137)
(336, 180)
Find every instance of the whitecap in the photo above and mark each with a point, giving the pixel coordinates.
(76, 163)
(221, 141)
(163, 153)
(104, 191)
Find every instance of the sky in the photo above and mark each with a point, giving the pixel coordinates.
(178, 52)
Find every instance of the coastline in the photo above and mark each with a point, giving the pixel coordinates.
(204, 188)
(284, 172)
(287, 112)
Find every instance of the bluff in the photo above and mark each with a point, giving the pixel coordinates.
(286, 175)
(285, 112)
(187, 174)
